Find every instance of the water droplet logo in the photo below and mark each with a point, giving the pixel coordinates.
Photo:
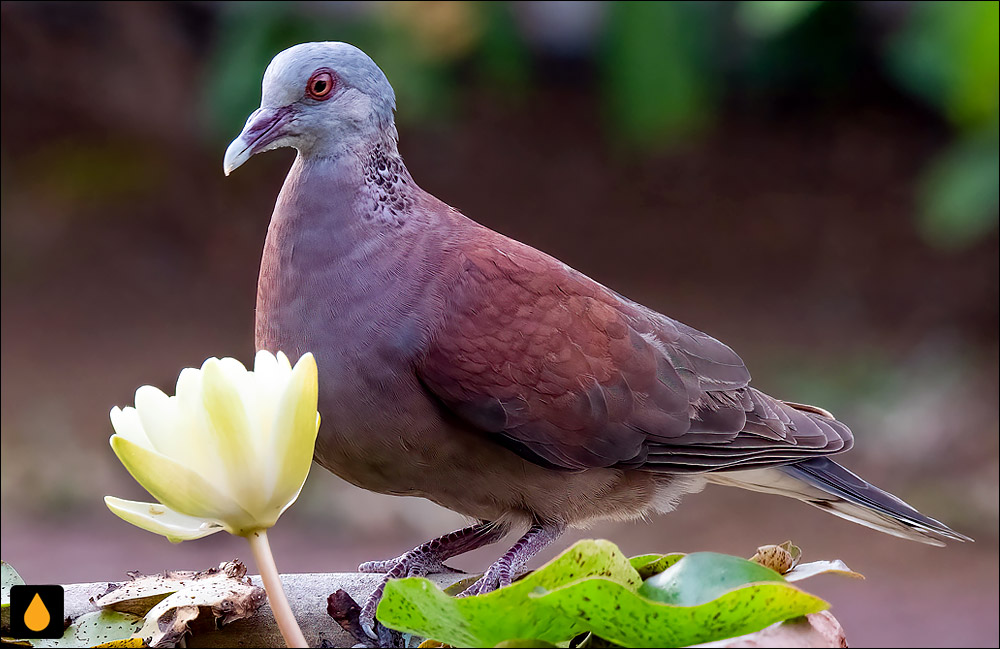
(37, 616)
(36, 611)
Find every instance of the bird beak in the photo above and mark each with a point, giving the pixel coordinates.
(263, 127)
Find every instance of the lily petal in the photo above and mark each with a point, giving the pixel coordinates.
(159, 519)
(159, 417)
(126, 423)
(177, 486)
(269, 382)
(193, 428)
(243, 380)
(228, 417)
(295, 429)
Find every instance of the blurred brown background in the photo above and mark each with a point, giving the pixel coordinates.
(813, 183)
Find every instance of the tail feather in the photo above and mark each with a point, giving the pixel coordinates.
(823, 483)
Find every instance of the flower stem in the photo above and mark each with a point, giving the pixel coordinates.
(289, 628)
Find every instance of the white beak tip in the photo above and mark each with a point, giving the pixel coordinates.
(237, 153)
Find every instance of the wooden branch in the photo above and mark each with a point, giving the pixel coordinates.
(308, 592)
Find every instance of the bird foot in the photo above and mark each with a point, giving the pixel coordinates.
(496, 576)
(417, 565)
(424, 560)
(502, 573)
(418, 562)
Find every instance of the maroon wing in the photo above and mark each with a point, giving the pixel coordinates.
(569, 374)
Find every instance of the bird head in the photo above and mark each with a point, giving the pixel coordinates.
(319, 98)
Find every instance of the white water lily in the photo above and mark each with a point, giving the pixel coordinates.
(229, 452)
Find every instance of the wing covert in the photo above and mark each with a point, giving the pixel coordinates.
(570, 374)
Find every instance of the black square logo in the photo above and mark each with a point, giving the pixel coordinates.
(36, 611)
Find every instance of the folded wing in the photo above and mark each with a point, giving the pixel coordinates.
(572, 375)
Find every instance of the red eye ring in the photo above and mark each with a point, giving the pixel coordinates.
(321, 84)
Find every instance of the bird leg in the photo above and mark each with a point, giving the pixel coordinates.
(426, 559)
(502, 573)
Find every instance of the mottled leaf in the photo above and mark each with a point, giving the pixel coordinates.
(648, 565)
(144, 592)
(417, 606)
(703, 576)
(203, 605)
(625, 618)
(127, 643)
(96, 628)
(593, 588)
(9, 578)
(779, 558)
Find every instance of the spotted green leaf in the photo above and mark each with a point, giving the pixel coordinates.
(592, 588)
(417, 606)
(648, 565)
(9, 578)
(629, 619)
(703, 576)
(92, 629)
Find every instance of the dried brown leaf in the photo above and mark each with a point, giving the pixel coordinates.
(184, 602)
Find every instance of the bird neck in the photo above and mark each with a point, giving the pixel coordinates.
(387, 183)
(373, 167)
(351, 241)
(346, 209)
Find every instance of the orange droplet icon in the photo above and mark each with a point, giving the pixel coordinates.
(37, 616)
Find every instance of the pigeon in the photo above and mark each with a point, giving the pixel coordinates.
(459, 365)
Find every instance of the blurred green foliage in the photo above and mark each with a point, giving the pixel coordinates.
(415, 44)
(947, 54)
(765, 18)
(664, 70)
(660, 79)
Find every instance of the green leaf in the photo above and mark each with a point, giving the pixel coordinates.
(625, 618)
(95, 628)
(417, 606)
(648, 565)
(8, 578)
(459, 586)
(592, 588)
(703, 576)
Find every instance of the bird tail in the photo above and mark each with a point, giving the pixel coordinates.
(823, 483)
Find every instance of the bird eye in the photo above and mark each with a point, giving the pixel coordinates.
(321, 85)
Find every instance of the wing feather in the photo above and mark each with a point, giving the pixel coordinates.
(570, 374)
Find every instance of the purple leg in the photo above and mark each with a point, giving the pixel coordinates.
(503, 572)
(426, 559)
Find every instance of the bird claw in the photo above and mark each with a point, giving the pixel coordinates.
(422, 560)
(496, 576)
(417, 565)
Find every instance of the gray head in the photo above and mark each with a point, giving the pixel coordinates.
(320, 98)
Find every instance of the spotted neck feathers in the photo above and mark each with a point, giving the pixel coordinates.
(389, 187)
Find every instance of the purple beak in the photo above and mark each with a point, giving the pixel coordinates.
(264, 126)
